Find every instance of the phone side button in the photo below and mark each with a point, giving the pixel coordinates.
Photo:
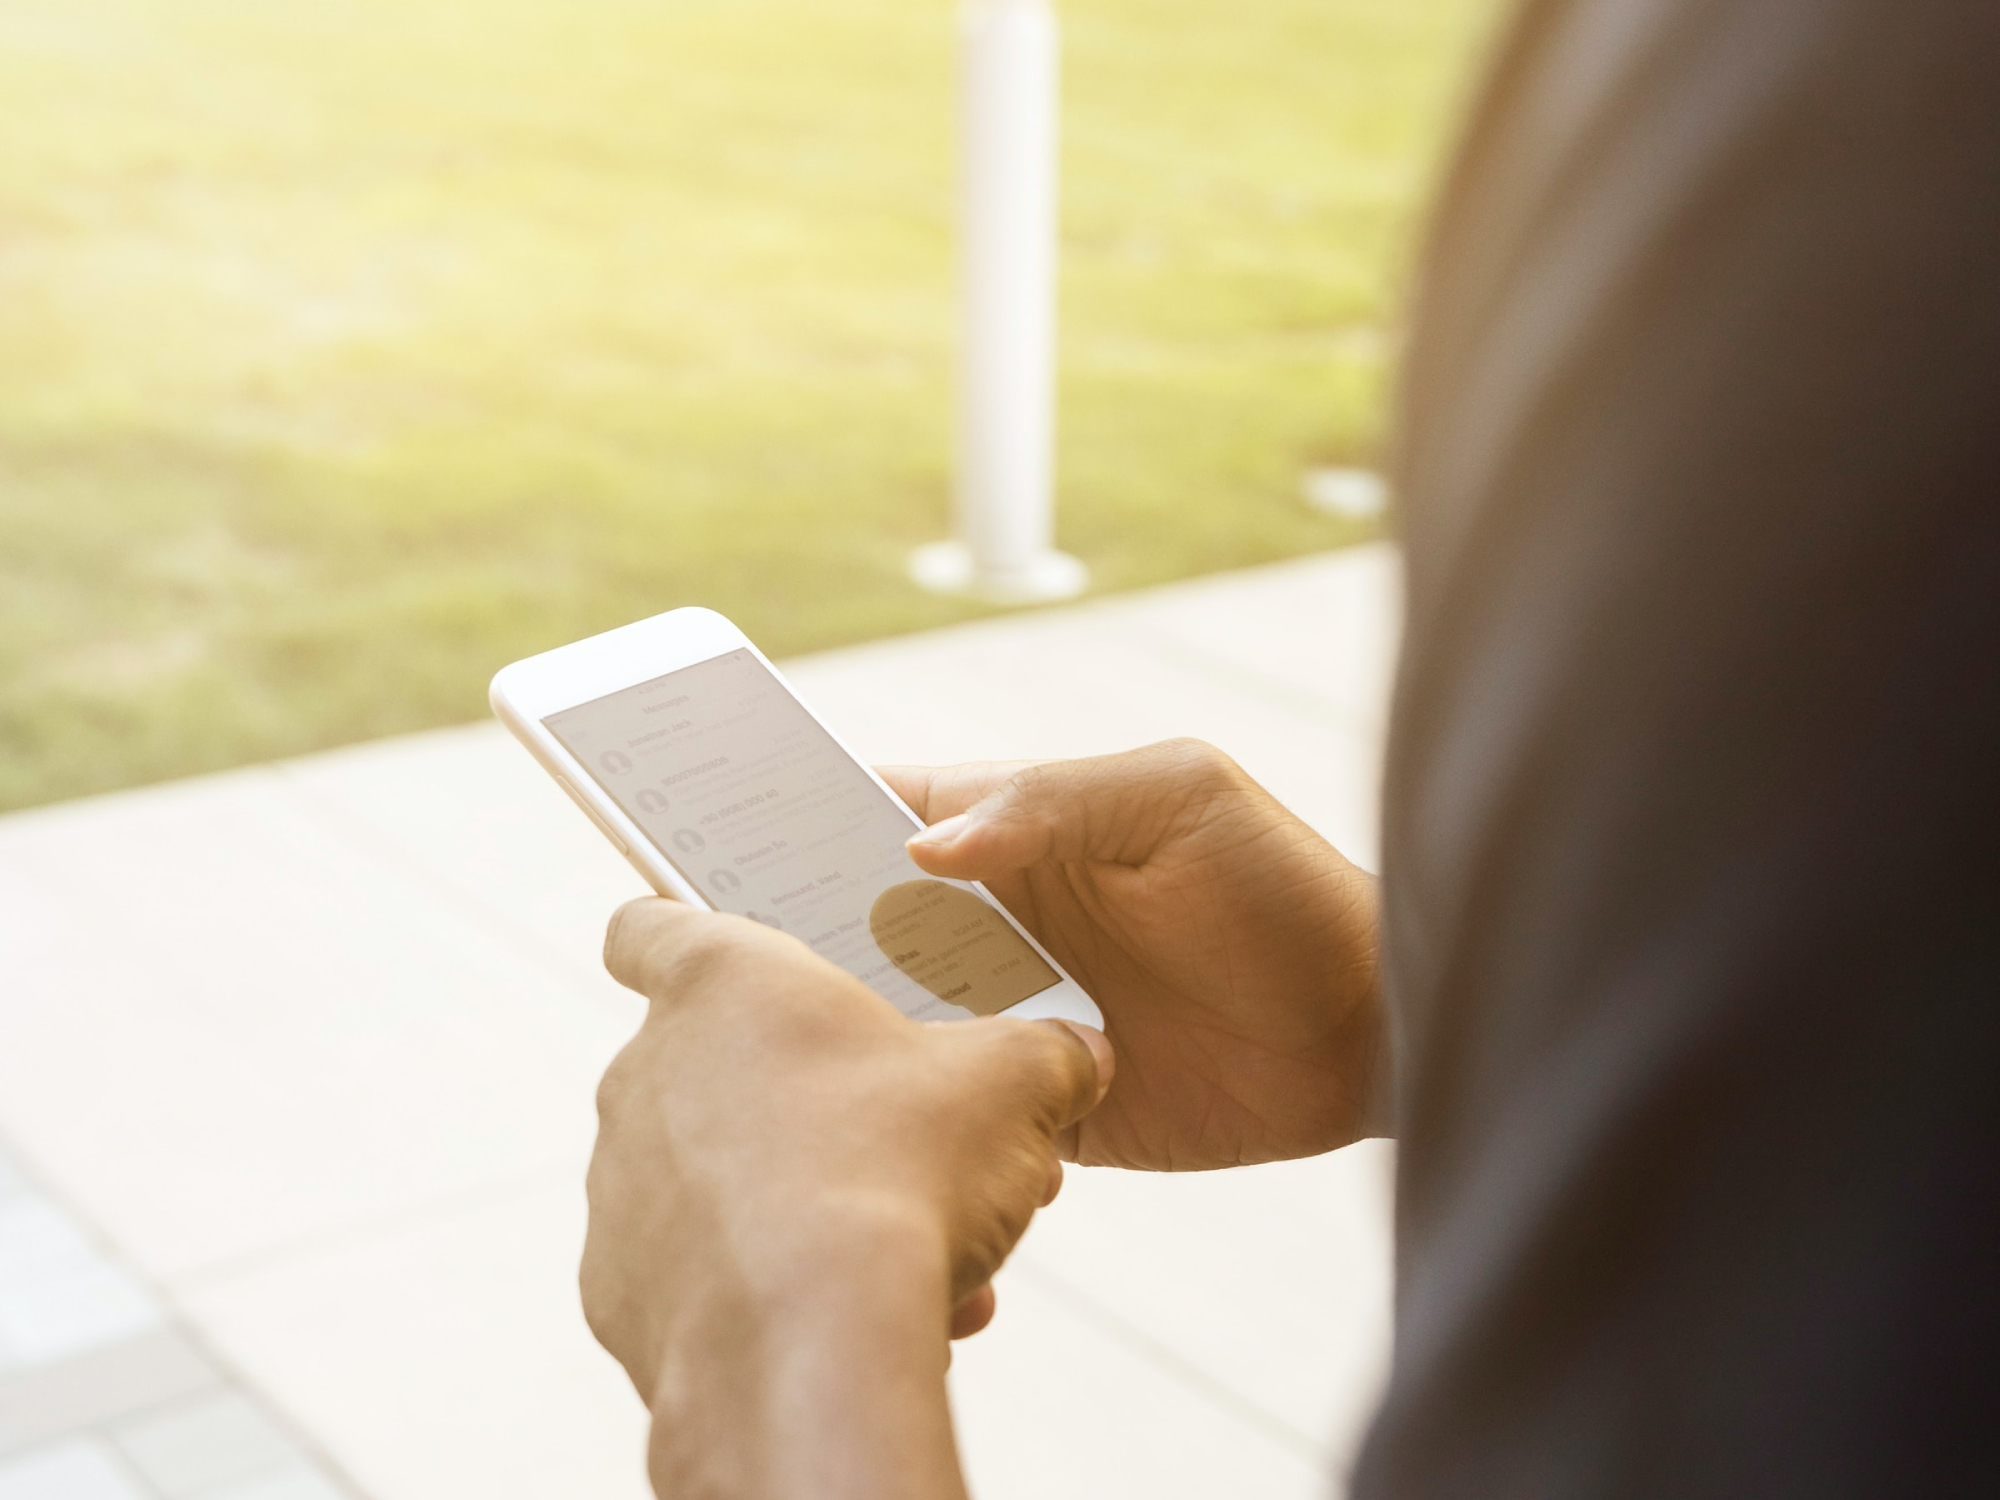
(652, 880)
(592, 813)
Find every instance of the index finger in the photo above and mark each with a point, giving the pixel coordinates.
(649, 934)
(935, 793)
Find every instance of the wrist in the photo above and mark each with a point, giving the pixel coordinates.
(1364, 1040)
(813, 1368)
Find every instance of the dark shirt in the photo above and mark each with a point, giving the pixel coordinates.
(1693, 811)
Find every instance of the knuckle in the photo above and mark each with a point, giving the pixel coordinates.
(1199, 762)
(660, 949)
(698, 951)
(595, 1293)
(1029, 786)
(1039, 799)
(613, 1089)
(1054, 1047)
(988, 1237)
(630, 941)
(1048, 1063)
(633, 1069)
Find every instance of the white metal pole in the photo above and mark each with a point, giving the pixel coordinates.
(1007, 224)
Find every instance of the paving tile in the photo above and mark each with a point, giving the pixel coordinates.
(989, 696)
(1272, 1281)
(35, 1235)
(297, 1481)
(287, 1009)
(494, 837)
(496, 1389)
(58, 1399)
(1316, 634)
(1050, 1406)
(71, 1303)
(78, 1470)
(443, 1360)
(194, 1447)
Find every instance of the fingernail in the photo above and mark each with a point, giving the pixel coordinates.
(943, 832)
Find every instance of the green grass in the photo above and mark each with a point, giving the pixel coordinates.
(351, 348)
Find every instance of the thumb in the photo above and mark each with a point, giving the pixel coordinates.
(1112, 808)
(1053, 1071)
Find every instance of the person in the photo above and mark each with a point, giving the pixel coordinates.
(1681, 988)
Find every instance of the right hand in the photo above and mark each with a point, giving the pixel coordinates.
(1231, 948)
(797, 1193)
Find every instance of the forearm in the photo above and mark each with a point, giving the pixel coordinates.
(831, 1387)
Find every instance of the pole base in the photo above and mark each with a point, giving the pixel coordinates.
(948, 568)
(1350, 494)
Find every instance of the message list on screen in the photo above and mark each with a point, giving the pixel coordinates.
(742, 791)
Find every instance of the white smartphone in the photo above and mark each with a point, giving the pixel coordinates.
(683, 744)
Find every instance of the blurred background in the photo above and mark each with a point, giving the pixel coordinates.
(352, 348)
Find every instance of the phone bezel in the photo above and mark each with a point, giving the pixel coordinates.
(525, 692)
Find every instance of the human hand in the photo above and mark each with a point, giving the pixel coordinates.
(1231, 948)
(797, 1193)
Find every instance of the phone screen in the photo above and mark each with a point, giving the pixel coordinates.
(743, 792)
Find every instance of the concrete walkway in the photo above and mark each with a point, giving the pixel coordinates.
(296, 1074)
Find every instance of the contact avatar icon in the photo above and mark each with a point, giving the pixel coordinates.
(617, 762)
(651, 801)
(688, 841)
(724, 881)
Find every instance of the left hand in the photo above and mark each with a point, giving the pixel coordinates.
(1231, 949)
(798, 1194)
